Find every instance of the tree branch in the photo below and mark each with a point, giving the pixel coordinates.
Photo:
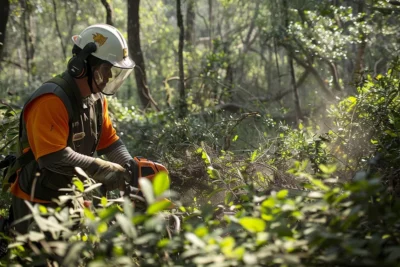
(247, 42)
(395, 3)
(58, 29)
(109, 12)
(14, 63)
(314, 72)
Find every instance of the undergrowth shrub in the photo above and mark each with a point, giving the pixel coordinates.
(357, 224)
(367, 125)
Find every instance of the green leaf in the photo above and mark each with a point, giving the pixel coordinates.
(79, 185)
(42, 209)
(253, 225)
(228, 198)
(108, 213)
(195, 240)
(74, 253)
(205, 157)
(88, 214)
(391, 133)
(104, 201)
(328, 169)
(238, 253)
(81, 173)
(235, 138)
(213, 173)
(254, 155)
(163, 242)
(35, 236)
(128, 207)
(158, 206)
(161, 183)
(92, 187)
(215, 192)
(147, 189)
(352, 102)
(228, 242)
(268, 203)
(126, 226)
(201, 231)
(319, 184)
(146, 239)
(282, 194)
(138, 219)
(102, 227)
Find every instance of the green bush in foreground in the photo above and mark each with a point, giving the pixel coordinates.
(354, 225)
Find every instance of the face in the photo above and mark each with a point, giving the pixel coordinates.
(101, 75)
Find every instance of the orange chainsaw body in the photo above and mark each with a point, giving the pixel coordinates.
(148, 168)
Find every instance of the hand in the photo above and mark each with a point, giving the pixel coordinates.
(111, 175)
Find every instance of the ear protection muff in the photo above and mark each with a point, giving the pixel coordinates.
(77, 66)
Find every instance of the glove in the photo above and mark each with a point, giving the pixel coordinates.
(111, 175)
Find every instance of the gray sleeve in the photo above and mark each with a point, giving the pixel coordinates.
(64, 161)
(117, 153)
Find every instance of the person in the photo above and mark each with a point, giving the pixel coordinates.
(66, 120)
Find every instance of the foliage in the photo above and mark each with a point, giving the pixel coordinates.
(367, 124)
(329, 225)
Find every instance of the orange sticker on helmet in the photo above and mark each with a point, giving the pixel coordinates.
(99, 38)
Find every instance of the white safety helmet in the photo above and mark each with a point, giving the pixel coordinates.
(111, 48)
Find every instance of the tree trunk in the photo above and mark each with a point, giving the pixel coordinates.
(359, 62)
(299, 115)
(211, 21)
(182, 95)
(137, 55)
(4, 13)
(190, 23)
(27, 8)
(109, 12)
(55, 15)
(190, 38)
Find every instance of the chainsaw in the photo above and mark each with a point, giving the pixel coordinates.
(138, 167)
(142, 167)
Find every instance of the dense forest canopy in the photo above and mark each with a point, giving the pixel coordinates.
(278, 121)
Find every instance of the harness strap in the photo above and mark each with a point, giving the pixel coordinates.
(21, 161)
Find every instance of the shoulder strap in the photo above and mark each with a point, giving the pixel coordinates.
(100, 116)
(70, 100)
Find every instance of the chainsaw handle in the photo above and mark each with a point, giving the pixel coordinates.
(103, 191)
(132, 167)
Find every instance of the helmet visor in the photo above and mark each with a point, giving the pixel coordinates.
(109, 78)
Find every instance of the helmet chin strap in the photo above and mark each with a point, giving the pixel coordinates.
(90, 77)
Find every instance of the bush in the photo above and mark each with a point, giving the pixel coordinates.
(354, 225)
